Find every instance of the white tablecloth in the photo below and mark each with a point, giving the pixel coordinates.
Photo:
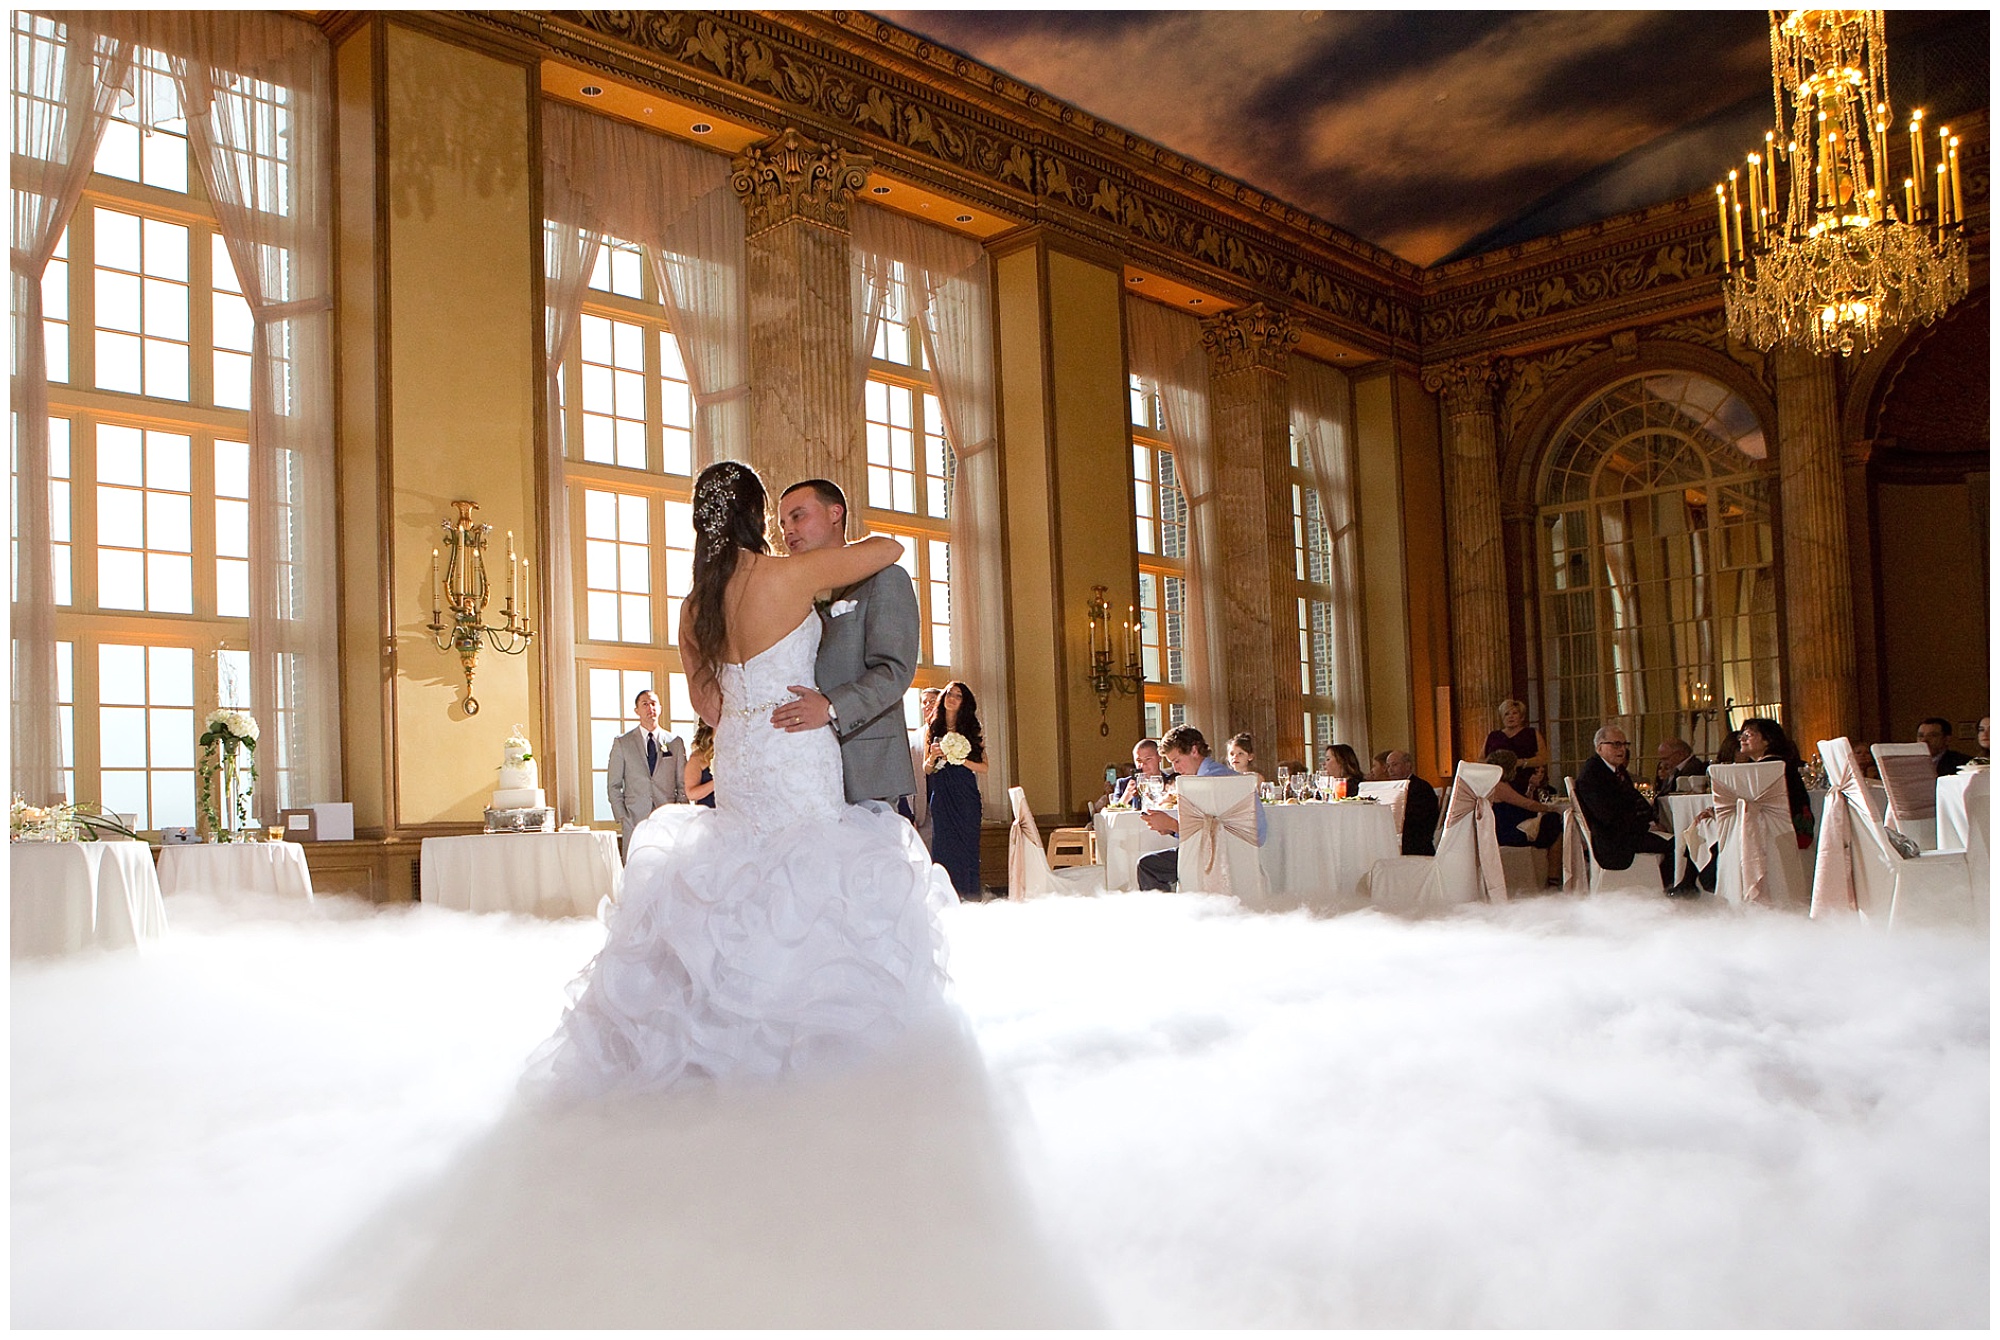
(1954, 824)
(1122, 838)
(236, 867)
(1316, 854)
(542, 874)
(72, 895)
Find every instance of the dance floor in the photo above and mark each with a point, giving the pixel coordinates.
(1164, 1113)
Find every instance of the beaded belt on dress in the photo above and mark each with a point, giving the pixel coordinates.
(756, 709)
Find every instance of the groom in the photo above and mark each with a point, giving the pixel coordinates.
(867, 655)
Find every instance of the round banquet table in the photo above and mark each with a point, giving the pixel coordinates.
(563, 874)
(1122, 838)
(68, 896)
(1316, 853)
(236, 867)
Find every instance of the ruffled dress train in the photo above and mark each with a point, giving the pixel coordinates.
(782, 929)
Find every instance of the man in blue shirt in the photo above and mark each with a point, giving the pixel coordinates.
(1185, 751)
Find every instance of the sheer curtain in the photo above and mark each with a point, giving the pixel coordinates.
(256, 88)
(65, 83)
(1164, 351)
(1320, 414)
(605, 178)
(951, 283)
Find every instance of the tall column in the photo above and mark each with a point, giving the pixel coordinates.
(1249, 383)
(1475, 554)
(1821, 701)
(803, 420)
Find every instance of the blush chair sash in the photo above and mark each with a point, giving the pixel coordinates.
(1752, 797)
(1833, 873)
(1202, 830)
(1469, 792)
(1022, 835)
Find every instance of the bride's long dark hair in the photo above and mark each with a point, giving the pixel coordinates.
(728, 518)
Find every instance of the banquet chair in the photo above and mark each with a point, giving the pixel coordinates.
(1860, 871)
(1580, 862)
(1910, 779)
(1416, 885)
(1525, 868)
(1218, 851)
(1751, 821)
(1389, 793)
(1072, 847)
(1028, 872)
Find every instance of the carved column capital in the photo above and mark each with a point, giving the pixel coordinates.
(791, 176)
(1257, 336)
(1467, 386)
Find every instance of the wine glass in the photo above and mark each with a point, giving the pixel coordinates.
(1284, 779)
(1299, 782)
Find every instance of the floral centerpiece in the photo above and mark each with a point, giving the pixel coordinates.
(953, 748)
(229, 747)
(63, 822)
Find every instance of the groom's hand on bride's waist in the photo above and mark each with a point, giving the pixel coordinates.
(809, 711)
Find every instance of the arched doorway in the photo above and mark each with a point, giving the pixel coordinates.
(1656, 552)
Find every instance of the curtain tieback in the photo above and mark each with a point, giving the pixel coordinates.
(285, 311)
(978, 448)
(703, 399)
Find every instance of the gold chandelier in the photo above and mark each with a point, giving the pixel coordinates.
(1829, 262)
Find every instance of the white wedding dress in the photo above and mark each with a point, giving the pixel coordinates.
(781, 929)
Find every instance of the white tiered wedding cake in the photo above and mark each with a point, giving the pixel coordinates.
(518, 805)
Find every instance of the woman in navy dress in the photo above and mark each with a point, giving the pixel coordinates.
(698, 776)
(953, 789)
(1517, 737)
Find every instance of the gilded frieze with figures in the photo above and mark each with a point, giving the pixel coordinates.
(1036, 168)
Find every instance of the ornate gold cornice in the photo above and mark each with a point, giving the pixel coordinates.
(792, 177)
(1466, 385)
(1621, 271)
(962, 127)
(1525, 380)
(1250, 337)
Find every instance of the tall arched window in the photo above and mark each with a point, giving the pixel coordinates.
(1656, 550)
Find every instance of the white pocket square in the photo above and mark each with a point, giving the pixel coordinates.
(839, 607)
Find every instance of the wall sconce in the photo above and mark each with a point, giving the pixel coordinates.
(464, 597)
(1103, 679)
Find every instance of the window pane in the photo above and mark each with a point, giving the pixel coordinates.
(121, 736)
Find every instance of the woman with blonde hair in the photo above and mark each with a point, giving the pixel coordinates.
(1516, 736)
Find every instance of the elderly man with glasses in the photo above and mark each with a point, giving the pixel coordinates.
(1621, 820)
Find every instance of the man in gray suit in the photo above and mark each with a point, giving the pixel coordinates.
(867, 655)
(645, 769)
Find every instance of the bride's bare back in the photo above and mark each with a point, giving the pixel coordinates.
(769, 595)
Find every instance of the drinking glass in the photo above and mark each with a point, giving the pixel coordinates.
(274, 834)
(1299, 781)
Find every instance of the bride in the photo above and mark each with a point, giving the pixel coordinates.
(784, 927)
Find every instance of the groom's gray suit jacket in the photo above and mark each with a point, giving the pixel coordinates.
(867, 658)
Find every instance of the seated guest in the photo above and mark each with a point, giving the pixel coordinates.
(1185, 751)
(1516, 736)
(1763, 739)
(1515, 803)
(1420, 804)
(1620, 819)
(1677, 760)
(1730, 750)
(1378, 769)
(1243, 755)
(1983, 746)
(1145, 763)
(1342, 761)
(1934, 731)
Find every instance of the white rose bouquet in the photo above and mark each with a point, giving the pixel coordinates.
(955, 747)
(228, 732)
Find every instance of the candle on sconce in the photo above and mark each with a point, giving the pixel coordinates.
(1957, 192)
(1131, 631)
(436, 610)
(1736, 210)
(527, 585)
(1943, 196)
(510, 570)
(1909, 201)
(1722, 220)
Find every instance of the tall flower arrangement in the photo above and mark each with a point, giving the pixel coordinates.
(229, 751)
